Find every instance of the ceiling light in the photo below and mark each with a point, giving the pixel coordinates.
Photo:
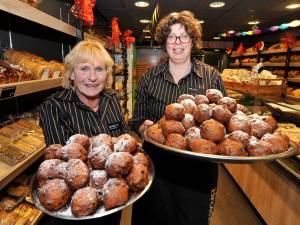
(147, 36)
(217, 50)
(200, 21)
(293, 6)
(146, 31)
(254, 22)
(217, 4)
(141, 4)
(144, 21)
(231, 31)
(217, 38)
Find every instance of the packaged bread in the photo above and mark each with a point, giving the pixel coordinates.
(55, 69)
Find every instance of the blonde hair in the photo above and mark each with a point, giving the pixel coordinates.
(186, 19)
(85, 51)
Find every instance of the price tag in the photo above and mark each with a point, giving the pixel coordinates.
(8, 92)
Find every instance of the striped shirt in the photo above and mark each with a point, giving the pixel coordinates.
(158, 89)
(63, 115)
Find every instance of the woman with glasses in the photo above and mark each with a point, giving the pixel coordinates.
(184, 189)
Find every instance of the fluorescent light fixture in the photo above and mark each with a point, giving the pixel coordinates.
(293, 6)
(217, 4)
(217, 38)
(141, 4)
(200, 21)
(231, 31)
(144, 21)
(254, 22)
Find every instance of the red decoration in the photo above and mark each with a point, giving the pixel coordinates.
(228, 50)
(289, 40)
(83, 9)
(240, 50)
(128, 38)
(115, 32)
(259, 45)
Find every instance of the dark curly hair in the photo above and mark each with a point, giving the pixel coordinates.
(185, 18)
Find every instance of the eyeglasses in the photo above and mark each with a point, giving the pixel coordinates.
(185, 38)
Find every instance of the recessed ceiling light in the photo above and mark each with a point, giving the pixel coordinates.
(200, 21)
(254, 22)
(217, 38)
(293, 6)
(217, 4)
(231, 31)
(144, 21)
(141, 4)
(146, 31)
(217, 50)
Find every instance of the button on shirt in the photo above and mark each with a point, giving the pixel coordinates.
(158, 89)
(63, 115)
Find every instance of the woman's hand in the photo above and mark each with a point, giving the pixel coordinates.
(145, 125)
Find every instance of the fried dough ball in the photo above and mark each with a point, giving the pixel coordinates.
(232, 148)
(185, 96)
(203, 146)
(192, 134)
(119, 164)
(53, 152)
(74, 151)
(46, 170)
(202, 112)
(85, 201)
(176, 141)
(259, 128)
(239, 122)
(241, 108)
(99, 155)
(172, 126)
(174, 111)
(271, 122)
(60, 170)
(221, 114)
(188, 121)
(199, 99)
(137, 179)
(125, 143)
(161, 122)
(54, 194)
(257, 147)
(189, 105)
(116, 193)
(214, 95)
(77, 174)
(239, 136)
(155, 133)
(102, 139)
(81, 139)
(279, 143)
(212, 130)
(229, 103)
(141, 158)
(97, 179)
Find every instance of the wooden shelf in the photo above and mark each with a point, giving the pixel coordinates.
(249, 64)
(37, 218)
(27, 87)
(274, 51)
(296, 49)
(294, 64)
(28, 12)
(296, 80)
(281, 64)
(9, 173)
(250, 54)
(234, 64)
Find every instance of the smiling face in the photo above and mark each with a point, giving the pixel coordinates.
(178, 51)
(89, 79)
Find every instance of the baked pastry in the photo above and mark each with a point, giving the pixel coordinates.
(98, 156)
(173, 126)
(221, 114)
(176, 141)
(188, 121)
(212, 130)
(102, 139)
(46, 171)
(74, 151)
(174, 111)
(199, 99)
(241, 108)
(257, 147)
(202, 112)
(119, 164)
(239, 122)
(203, 146)
(77, 174)
(137, 179)
(271, 122)
(239, 136)
(192, 134)
(85, 201)
(60, 171)
(141, 158)
(115, 193)
(214, 95)
(53, 152)
(81, 139)
(185, 96)
(97, 179)
(229, 103)
(279, 142)
(155, 133)
(232, 148)
(54, 194)
(189, 105)
(125, 143)
(259, 128)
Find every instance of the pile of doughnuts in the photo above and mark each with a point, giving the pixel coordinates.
(213, 124)
(89, 173)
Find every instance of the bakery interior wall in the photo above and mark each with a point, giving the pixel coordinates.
(24, 35)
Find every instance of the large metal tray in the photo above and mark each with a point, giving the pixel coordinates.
(65, 212)
(293, 149)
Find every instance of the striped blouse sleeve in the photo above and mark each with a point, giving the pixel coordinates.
(218, 82)
(56, 129)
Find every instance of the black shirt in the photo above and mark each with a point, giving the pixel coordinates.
(63, 115)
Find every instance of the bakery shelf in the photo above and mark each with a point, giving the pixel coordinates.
(296, 80)
(294, 64)
(281, 64)
(37, 218)
(250, 54)
(234, 64)
(9, 173)
(249, 64)
(274, 51)
(28, 12)
(27, 87)
(296, 49)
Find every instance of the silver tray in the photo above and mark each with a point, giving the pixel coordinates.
(293, 149)
(65, 212)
